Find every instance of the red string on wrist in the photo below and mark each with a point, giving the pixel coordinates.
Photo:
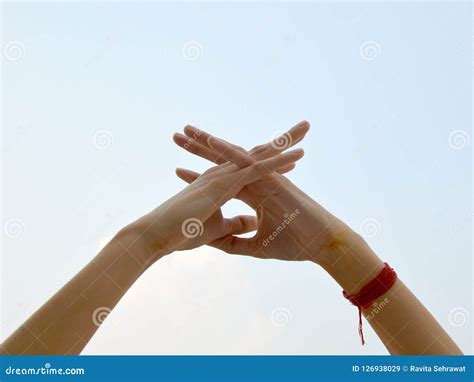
(371, 291)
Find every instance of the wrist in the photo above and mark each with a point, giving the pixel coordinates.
(135, 240)
(350, 261)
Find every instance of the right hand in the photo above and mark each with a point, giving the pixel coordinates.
(291, 225)
(192, 217)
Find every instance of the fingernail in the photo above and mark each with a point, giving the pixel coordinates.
(304, 124)
(191, 128)
(177, 137)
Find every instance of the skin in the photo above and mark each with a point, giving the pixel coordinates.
(401, 321)
(65, 323)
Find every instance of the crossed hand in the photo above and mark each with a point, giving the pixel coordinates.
(289, 224)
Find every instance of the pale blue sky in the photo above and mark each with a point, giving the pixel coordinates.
(379, 149)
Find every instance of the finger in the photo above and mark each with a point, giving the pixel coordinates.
(198, 135)
(190, 176)
(197, 149)
(233, 245)
(282, 160)
(240, 224)
(261, 169)
(226, 185)
(197, 142)
(230, 153)
(202, 137)
(281, 143)
(287, 168)
(187, 175)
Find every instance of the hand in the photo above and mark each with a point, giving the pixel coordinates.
(291, 225)
(192, 217)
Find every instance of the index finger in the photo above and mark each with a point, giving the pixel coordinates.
(282, 142)
(230, 153)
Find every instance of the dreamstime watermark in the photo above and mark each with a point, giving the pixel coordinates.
(288, 218)
(459, 317)
(370, 227)
(44, 370)
(370, 50)
(192, 228)
(281, 317)
(193, 138)
(459, 139)
(281, 141)
(14, 228)
(377, 308)
(103, 139)
(192, 50)
(14, 51)
(100, 314)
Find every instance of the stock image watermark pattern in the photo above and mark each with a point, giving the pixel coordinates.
(459, 317)
(281, 140)
(281, 317)
(192, 50)
(14, 51)
(47, 369)
(14, 228)
(190, 141)
(192, 228)
(459, 139)
(100, 314)
(370, 227)
(370, 50)
(377, 307)
(103, 140)
(288, 218)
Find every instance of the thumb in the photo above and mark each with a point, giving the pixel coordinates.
(232, 244)
(240, 224)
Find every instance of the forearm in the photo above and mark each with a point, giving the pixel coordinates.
(400, 320)
(66, 323)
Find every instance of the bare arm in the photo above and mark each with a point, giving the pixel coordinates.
(65, 323)
(70, 318)
(400, 320)
(292, 226)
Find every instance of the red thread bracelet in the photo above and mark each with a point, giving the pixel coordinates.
(371, 291)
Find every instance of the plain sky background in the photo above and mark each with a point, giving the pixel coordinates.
(379, 148)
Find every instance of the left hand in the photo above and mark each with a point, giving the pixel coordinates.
(291, 225)
(192, 217)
